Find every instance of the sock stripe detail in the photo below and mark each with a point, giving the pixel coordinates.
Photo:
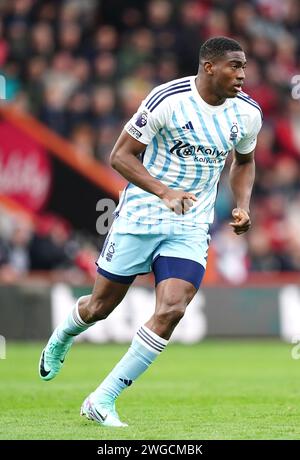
(158, 346)
(149, 343)
(150, 337)
(76, 315)
(76, 319)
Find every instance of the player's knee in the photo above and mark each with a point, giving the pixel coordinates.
(170, 313)
(97, 309)
(84, 301)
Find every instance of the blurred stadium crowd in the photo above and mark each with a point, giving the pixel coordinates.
(47, 245)
(83, 67)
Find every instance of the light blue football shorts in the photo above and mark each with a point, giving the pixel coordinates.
(131, 249)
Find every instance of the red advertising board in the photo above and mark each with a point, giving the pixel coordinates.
(25, 168)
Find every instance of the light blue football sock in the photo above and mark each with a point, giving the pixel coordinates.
(145, 347)
(73, 325)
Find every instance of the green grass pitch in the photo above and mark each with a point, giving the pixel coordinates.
(213, 390)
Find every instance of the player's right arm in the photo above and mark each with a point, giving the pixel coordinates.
(124, 160)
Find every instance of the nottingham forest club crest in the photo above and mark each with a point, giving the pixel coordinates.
(234, 132)
(110, 252)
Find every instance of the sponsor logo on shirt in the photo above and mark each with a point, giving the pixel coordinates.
(199, 152)
(134, 132)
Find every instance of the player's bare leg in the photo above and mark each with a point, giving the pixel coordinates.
(172, 298)
(89, 309)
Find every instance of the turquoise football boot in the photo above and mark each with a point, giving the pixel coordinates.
(53, 357)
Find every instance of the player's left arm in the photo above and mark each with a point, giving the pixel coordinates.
(242, 174)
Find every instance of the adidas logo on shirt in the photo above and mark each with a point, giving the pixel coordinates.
(189, 125)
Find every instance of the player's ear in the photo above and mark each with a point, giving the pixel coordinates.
(208, 67)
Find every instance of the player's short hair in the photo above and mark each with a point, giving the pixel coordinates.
(217, 47)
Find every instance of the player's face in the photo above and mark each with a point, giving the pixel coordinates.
(229, 73)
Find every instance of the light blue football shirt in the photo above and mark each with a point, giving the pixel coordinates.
(186, 142)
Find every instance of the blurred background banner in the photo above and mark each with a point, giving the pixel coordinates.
(248, 311)
(75, 72)
(41, 172)
(25, 168)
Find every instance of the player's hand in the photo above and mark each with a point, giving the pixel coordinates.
(241, 222)
(178, 201)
